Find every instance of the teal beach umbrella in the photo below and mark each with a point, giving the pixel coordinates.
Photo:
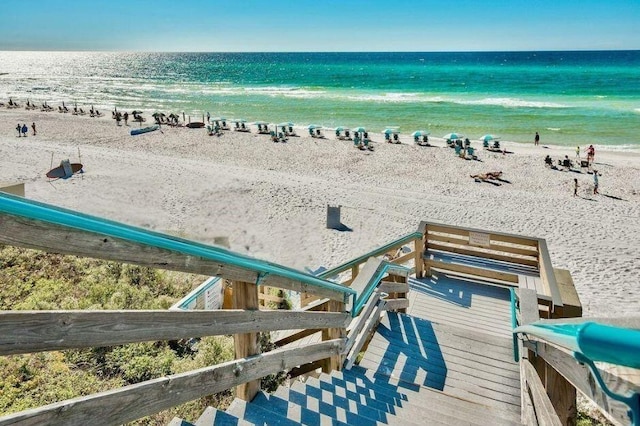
(453, 136)
(487, 138)
(419, 133)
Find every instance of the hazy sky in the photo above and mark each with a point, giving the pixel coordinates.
(321, 25)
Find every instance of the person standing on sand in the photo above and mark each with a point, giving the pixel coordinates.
(595, 182)
(33, 127)
(126, 118)
(25, 129)
(537, 139)
(575, 187)
(578, 151)
(19, 129)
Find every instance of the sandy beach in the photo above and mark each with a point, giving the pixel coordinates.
(270, 199)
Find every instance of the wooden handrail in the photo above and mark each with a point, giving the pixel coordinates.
(54, 238)
(34, 331)
(128, 403)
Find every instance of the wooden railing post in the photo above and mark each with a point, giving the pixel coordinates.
(418, 246)
(334, 362)
(355, 270)
(245, 296)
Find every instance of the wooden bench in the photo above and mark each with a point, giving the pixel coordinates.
(498, 272)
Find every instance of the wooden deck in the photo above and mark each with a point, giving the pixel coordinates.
(455, 338)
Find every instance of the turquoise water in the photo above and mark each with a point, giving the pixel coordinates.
(569, 97)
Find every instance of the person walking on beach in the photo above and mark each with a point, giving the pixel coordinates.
(591, 153)
(575, 187)
(19, 129)
(25, 129)
(595, 182)
(126, 117)
(537, 139)
(578, 151)
(33, 127)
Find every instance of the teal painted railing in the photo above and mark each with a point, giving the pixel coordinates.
(363, 258)
(593, 342)
(364, 295)
(29, 209)
(514, 324)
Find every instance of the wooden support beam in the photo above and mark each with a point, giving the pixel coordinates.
(472, 270)
(396, 304)
(334, 362)
(245, 296)
(39, 235)
(581, 378)
(479, 252)
(132, 402)
(545, 413)
(393, 287)
(36, 331)
(418, 251)
(495, 236)
(296, 336)
(500, 247)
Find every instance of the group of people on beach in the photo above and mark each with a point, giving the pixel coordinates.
(22, 130)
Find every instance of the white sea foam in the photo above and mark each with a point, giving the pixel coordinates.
(637, 110)
(554, 129)
(511, 103)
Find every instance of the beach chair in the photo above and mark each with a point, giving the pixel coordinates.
(281, 137)
(60, 109)
(274, 138)
(485, 144)
(356, 142)
(471, 153)
(458, 149)
(387, 137)
(347, 135)
(312, 133)
(425, 141)
(292, 132)
(396, 139)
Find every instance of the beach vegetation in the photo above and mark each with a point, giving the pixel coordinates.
(34, 280)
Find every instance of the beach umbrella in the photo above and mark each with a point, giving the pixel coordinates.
(341, 128)
(257, 123)
(487, 138)
(313, 126)
(134, 112)
(286, 124)
(390, 131)
(419, 133)
(453, 136)
(359, 129)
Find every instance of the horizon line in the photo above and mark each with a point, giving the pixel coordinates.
(326, 51)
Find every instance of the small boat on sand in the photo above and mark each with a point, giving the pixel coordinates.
(144, 130)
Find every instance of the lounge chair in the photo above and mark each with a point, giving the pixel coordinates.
(281, 137)
(312, 133)
(387, 137)
(292, 132)
(274, 138)
(347, 135)
(395, 138)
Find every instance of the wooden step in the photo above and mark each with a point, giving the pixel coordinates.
(367, 378)
(356, 386)
(255, 415)
(213, 417)
(304, 413)
(345, 411)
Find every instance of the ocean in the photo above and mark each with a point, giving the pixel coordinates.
(570, 98)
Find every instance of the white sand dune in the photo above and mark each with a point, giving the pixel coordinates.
(270, 198)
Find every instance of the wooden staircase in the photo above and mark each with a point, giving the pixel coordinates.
(413, 376)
